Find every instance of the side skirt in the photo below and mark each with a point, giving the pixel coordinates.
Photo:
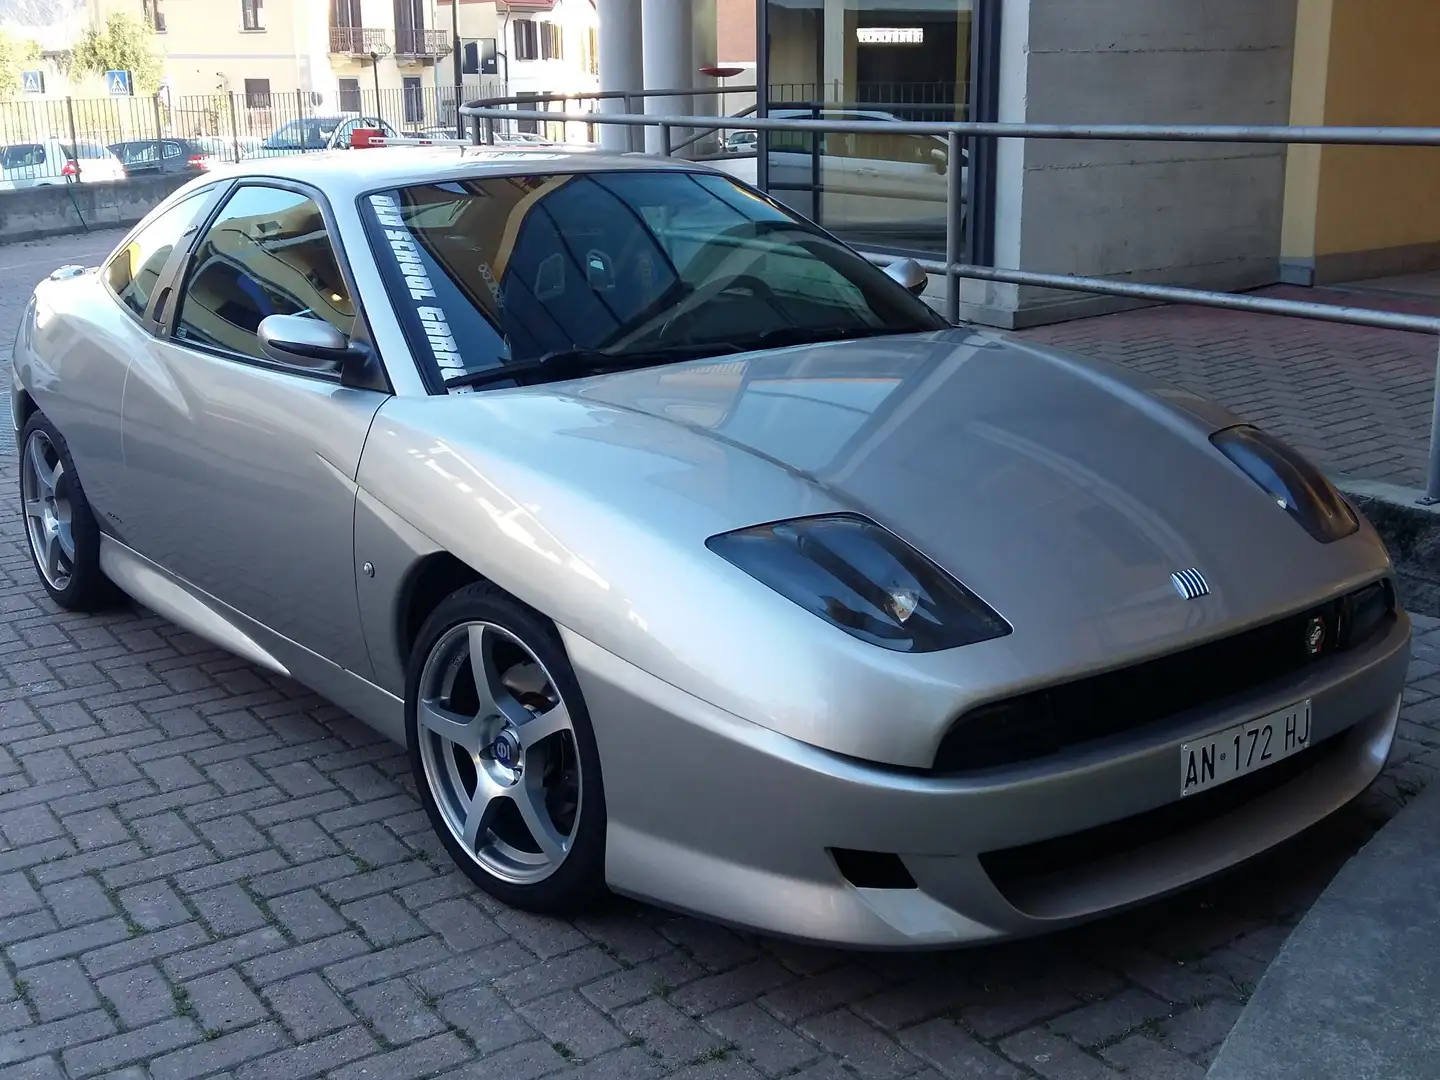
(223, 626)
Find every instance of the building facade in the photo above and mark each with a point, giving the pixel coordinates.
(1207, 215)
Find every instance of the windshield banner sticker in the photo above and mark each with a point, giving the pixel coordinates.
(417, 282)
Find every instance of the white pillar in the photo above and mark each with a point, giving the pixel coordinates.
(667, 47)
(704, 53)
(620, 64)
(832, 73)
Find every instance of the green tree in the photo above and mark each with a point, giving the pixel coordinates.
(124, 43)
(15, 54)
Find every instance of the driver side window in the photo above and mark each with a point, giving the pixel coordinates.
(266, 253)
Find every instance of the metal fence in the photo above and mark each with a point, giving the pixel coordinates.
(224, 124)
(961, 136)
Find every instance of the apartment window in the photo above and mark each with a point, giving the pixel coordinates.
(414, 100)
(552, 42)
(257, 93)
(527, 44)
(252, 15)
(154, 17)
(346, 13)
(350, 95)
(592, 51)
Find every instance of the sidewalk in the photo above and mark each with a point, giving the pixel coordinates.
(1353, 994)
(1356, 399)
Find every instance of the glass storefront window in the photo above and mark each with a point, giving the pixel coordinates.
(868, 60)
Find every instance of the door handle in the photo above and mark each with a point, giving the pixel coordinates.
(160, 304)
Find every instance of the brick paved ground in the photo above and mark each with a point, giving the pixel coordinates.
(1357, 399)
(205, 870)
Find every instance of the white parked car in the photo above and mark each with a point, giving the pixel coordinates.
(51, 162)
(894, 184)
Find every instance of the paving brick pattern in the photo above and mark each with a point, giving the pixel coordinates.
(208, 871)
(1357, 399)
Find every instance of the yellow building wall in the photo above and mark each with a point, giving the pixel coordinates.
(1365, 211)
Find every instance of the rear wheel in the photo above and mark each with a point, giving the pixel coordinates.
(64, 538)
(503, 753)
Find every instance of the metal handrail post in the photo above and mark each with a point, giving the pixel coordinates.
(954, 226)
(664, 140)
(1432, 477)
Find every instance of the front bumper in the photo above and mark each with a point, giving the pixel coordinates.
(714, 815)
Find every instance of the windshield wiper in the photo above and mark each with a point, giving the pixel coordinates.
(565, 363)
(782, 336)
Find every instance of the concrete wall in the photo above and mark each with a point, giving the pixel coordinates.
(1355, 212)
(49, 211)
(1194, 214)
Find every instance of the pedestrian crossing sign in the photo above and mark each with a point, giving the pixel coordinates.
(117, 83)
(32, 82)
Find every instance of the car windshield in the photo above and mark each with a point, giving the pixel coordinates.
(514, 270)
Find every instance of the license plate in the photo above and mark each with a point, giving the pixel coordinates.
(1245, 748)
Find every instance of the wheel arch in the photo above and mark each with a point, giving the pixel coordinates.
(23, 408)
(426, 584)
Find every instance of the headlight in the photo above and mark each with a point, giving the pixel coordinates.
(1300, 489)
(863, 579)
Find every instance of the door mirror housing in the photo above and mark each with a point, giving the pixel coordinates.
(312, 344)
(908, 273)
(941, 159)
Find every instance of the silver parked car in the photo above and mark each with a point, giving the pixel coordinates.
(694, 557)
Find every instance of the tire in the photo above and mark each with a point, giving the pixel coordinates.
(524, 820)
(62, 535)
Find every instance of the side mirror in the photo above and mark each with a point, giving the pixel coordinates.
(312, 344)
(906, 271)
(941, 158)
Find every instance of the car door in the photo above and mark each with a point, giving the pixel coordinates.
(91, 354)
(240, 472)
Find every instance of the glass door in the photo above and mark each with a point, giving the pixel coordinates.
(880, 60)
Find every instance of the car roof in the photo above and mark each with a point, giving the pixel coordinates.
(344, 173)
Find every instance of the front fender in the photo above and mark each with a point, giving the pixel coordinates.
(597, 517)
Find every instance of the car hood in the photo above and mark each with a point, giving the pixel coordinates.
(1063, 491)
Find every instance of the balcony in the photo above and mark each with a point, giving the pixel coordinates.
(424, 44)
(356, 40)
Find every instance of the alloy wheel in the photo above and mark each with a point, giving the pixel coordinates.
(498, 752)
(48, 510)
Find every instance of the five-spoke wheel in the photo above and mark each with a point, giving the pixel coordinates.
(503, 753)
(64, 538)
(47, 510)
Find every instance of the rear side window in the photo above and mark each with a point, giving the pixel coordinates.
(132, 271)
(24, 155)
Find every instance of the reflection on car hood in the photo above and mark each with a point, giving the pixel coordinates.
(1054, 486)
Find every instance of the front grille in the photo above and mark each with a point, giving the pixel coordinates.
(1058, 718)
(1016, 871)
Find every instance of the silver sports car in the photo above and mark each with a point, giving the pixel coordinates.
(693, 557)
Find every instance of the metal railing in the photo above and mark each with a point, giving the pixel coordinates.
(484, 115)
(418, 41)
(357, 40)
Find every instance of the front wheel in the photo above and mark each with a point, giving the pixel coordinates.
(503, 753)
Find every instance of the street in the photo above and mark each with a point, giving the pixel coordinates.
(207, 869)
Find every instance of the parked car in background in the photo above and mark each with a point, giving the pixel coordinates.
(741, 142)
(313, 133)
(153, 157)
(51, 162)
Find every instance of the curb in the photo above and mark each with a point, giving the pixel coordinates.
(1352, 994)
(1412, 534)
